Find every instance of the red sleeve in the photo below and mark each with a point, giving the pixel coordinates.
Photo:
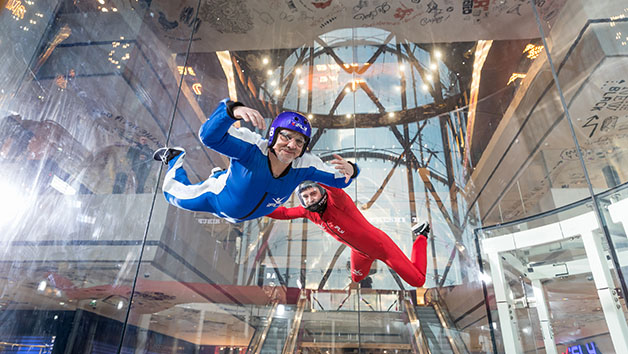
(333, 190)
(339, 196)
(283, 213)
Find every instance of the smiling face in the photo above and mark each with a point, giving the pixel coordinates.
(289, 145)
(310, 196)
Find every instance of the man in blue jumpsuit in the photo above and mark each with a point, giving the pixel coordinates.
(262, 174)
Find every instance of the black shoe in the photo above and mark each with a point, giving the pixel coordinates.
(165, 154)
(366, 283)
(421, 229)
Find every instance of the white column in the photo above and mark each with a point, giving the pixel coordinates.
(505, 309)
(619, 213)
(142, 333)
(544, 317)
(613, 312)
(199, 329)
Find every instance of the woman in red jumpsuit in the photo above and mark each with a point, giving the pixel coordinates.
(334, 211)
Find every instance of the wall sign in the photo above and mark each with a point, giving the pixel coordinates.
(589, 348)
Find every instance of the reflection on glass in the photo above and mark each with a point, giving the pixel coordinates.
(449, 108)
(594, 89)
(84, 101)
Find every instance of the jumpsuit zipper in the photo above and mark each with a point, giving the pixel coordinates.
(257, 206)
(266, 193)
(350, 245)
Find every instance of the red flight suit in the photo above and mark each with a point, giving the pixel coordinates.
(345, 223)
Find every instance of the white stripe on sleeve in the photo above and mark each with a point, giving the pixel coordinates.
(309, 160)
(250, 137)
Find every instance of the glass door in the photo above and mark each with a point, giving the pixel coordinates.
(555, 289)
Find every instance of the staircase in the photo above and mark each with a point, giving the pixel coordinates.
(436, 338)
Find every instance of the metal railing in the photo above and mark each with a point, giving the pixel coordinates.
(453, 336)
(291, 343)
(420, 340)
(257, 343)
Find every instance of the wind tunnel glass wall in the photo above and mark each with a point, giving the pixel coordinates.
(449, 108)
(591, 65)
(87, 95)
(562, 170)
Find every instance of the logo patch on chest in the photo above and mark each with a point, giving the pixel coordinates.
(332, 227)
(276, 202)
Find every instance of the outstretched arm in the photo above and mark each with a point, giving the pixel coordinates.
(283, 213)
(347, 168)
(218, 133)
(339, 176)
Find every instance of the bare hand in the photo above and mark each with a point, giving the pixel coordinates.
(343, 166)
(250, 115)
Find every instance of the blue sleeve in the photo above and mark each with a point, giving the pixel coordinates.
(218, 133)
(318, 171)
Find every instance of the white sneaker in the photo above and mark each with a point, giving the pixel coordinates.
(421, 229)
(165, 154)
(216, 170)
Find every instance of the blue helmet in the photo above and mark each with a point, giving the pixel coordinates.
(291, 121)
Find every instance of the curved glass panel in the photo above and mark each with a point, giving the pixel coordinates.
(589, 62)
(450, 110)
(87, 95)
